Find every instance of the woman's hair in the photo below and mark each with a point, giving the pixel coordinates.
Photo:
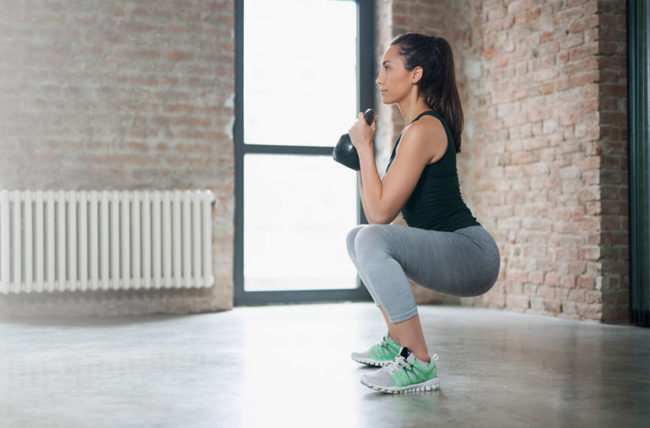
(438, 84)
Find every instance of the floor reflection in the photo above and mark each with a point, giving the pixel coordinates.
(290, 365)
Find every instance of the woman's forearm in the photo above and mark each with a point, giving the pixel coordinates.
(364, 203)
(370, 186)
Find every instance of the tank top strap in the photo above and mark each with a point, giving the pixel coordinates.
(429, 112)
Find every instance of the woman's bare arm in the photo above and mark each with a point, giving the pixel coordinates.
(363, 199)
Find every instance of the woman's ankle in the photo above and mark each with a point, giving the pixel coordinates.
(426, 360)
(394, 339)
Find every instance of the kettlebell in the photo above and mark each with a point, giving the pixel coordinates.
(344, 152)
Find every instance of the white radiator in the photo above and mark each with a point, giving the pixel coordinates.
(101, 240)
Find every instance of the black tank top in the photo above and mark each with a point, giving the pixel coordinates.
(436, 202)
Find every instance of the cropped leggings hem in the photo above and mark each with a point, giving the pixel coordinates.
(403, 317)
(462, 263)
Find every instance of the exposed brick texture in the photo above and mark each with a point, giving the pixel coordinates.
(544, 154)
(124, 95)
(140, 95)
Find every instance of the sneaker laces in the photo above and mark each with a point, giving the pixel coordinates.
(385, 347)
(384, 342)
(400, 363)
(397, 364)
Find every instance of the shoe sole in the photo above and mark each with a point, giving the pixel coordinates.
(371, 362)
(430, 385)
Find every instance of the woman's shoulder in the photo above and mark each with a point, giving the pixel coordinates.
(430, 128)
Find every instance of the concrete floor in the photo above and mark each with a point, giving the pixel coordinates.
(290, 366)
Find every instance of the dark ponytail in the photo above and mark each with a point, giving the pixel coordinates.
(438, 83)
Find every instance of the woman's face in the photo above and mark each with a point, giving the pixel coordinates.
(394, 81)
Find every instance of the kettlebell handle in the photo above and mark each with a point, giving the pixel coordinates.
(344, 152)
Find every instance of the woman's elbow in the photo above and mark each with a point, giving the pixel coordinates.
(378, 221)
(371, 220)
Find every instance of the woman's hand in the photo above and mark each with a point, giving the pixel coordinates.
(362, 134)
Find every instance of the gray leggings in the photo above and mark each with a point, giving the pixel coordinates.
(463, 263)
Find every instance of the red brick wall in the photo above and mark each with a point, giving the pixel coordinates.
(544, 161)
(126, 95)
(612, 149)
(139, 94)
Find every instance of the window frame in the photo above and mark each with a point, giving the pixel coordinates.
(365, 97)
(638, 17)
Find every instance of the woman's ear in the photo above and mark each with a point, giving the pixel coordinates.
(417, 75)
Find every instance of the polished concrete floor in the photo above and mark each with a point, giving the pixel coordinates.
(289, 366)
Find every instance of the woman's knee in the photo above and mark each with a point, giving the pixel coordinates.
(371, 238)
(351, 238)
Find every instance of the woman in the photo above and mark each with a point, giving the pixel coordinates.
(443, 247)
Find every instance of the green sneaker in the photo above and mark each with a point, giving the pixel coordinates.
(405, 374)
(380, 354)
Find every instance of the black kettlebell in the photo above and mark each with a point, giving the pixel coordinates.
(344, 152)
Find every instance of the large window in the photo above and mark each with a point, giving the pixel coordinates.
(304, 69)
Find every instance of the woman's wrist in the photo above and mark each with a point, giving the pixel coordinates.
(367, 150)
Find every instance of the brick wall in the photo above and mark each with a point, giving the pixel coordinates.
(544, 154)
(140, 94)
(120, 94)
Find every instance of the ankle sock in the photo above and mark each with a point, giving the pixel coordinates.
(426, 364)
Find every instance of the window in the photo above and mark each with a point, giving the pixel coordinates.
(301, 79)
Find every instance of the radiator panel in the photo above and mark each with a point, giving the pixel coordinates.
(104, 240)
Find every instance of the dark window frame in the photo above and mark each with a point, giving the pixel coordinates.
(366, 99)
(638, 18)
